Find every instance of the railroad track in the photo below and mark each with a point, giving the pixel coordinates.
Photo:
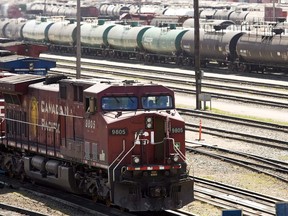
(185, 73)
(269, 134)
(181, 81)
(84, 204)
(11, 210)
(65, 199)
(234, 120)
(227, 196)
(275, 168)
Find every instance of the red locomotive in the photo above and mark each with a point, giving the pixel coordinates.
(21, 48)
(122, 142)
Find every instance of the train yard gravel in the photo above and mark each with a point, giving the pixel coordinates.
(37, 203)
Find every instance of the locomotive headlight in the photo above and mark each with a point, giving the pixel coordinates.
(175, 157)
(149, 122)
(136, 159)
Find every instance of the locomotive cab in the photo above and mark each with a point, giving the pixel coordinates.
(141, 138)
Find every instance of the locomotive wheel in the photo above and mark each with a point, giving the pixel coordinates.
(9, 170)
(10, 173)
(95, 198)
(108, 202)
(22, 177)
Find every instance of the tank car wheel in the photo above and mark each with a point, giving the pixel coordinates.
(179, 61)
(243, 68)
(104, 53)
(137, 56)
(232, 67)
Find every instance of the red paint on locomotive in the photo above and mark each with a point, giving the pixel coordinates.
(121, 142)
(20, 48)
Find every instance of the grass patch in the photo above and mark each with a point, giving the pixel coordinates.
(268, 120)
(222, 112)
(283, 158)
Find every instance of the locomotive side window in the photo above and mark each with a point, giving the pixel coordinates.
(90, 105)
(78, 93)
(119, 103)
(157, 102)
(63, 92)
(12, 99)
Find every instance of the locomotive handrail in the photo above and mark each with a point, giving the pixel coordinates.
(123, 149)
(183, 157)
(15, 120)
(122, 160)
(73, 116)
(177, 150)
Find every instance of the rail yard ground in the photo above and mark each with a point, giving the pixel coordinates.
(213, 169)
(204, 166)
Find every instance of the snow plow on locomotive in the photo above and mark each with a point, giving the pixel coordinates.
(121, 142)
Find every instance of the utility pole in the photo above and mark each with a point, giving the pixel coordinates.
(45, 8)
(273, 11)
(198, 73)
(78, 42)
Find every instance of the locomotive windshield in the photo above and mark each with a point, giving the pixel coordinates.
(119, 103)
(157, 102)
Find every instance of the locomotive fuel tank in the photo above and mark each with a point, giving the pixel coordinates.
(36, 30)
(63, 32)
(163, 40)
(126, 37)
(52, 166)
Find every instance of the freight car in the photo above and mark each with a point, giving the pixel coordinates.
(263, 52)
(68, 9)
(165, 45)
(121, 142)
